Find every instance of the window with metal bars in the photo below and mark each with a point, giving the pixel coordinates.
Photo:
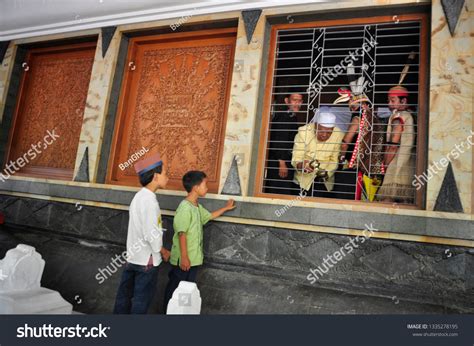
(344, 112)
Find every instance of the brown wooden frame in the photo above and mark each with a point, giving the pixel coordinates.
(31, 170)
(112, 166)
(422, 103)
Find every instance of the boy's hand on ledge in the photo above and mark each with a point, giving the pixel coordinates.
(185, 264)
(165, 254)
(230, 205)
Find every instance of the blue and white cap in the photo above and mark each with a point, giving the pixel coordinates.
(147, 164)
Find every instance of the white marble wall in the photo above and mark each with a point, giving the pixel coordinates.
(97, 102)
(451, 90)
(243, 103)
(451, 100)
(5, 73)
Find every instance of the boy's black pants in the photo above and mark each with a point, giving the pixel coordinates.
(176, 275)
(136, 289)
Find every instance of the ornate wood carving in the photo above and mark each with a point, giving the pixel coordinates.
(52, 98)
(176, 104)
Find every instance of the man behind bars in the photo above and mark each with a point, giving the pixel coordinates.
(284, 126)
(316, 154)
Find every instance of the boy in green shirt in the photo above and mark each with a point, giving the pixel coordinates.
(187, 250)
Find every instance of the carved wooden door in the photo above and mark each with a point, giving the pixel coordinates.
(47, 124)
(174, 101)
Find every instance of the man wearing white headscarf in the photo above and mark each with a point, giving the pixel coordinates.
(316, 154)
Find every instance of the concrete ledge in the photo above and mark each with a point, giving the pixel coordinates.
(316, 216)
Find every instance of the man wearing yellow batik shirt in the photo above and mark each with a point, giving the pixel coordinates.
(316, 155)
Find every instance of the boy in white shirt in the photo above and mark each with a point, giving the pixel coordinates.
(145, 249)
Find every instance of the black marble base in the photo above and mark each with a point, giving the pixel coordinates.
(248, 269)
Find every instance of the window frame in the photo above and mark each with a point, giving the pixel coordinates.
(423, 109)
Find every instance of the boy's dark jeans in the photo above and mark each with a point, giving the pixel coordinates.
(136, 289)
(176, 275)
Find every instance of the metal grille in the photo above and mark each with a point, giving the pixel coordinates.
(306, 61)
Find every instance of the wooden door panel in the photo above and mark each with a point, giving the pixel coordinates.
(175, 103)
(52, 98)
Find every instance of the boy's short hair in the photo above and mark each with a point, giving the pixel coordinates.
(147, 177)
(193, 178)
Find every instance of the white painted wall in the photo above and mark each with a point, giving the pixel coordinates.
(29, 18)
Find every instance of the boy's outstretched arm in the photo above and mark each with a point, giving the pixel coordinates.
(229, 206)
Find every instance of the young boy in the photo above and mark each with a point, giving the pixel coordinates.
(187, 250)
(399, 158)
(145, 249)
